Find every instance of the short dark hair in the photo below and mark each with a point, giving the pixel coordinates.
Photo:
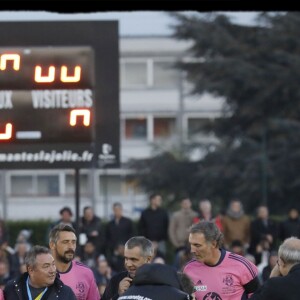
(153, 195)
(67, 209)
(56, 230)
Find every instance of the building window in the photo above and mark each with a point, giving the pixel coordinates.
(165, 75)
(164, 127)
(48, 185)
(136, 129)
(35, 185)
(133, 74)
(83, 184)
(22, 185)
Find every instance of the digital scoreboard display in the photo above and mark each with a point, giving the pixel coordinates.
(46, 94)
(59, 94)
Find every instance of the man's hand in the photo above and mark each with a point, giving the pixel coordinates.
(124, 285)
(275, 271)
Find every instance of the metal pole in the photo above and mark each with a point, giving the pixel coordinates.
(3, 196)
(180, 111)
(77, 197)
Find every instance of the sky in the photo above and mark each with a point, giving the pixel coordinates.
(130, 23)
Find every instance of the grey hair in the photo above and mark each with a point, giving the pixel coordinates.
(289, 250)
(210, 231)
(56, 230)
(144, 244)
(30, 258)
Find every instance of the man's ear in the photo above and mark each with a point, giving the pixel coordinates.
(149, 259)
(51, 245)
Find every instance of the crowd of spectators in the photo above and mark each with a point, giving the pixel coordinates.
(101, 244)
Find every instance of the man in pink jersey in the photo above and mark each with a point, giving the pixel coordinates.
(218, 274)
(62, 242)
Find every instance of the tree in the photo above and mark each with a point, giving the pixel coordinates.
(257, 70)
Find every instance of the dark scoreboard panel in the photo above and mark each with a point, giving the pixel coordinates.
(59, 94)
(47, 95)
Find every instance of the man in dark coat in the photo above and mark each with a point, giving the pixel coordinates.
(154, 223)
(41, 281)
(284, 279)
(155, 282)
(137, 252)
(118, 230)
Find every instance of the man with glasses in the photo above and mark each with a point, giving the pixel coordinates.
(285, 276)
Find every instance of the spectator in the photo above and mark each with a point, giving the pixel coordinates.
(154, 223)
(116, 261)
(4, 232)
(18, 258)
(5, 272)
(66, 217)
(272, 261)
(91, 226)
(285, 276)
(290, 226)
(138, 251)
(184, 257)
(89, 255)
(155, 281)
(205, 211)
(180, 222)
(264, 233)
(238, 277)
(40, 281)
(102, 273)
(118, 230)
(62, 242)
(236, 224)
(237, 247)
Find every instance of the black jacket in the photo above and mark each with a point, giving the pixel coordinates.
(280, 288)
(155, 282)
(118, 233)
(16, 290)
(153, 224)
(111, 290)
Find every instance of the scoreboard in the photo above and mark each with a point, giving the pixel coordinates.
(46, 95)
(59, 94)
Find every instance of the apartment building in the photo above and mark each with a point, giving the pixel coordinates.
(155, 109)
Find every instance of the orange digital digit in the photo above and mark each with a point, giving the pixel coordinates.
(64, 74)
(8, 132)
(85, 113)
(14, 57)
(47, 78)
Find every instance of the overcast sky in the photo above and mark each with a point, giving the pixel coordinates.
(130, 23)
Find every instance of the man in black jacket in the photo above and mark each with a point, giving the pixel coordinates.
(155, 282)
(154, 223)
(285, 277)
(41, 281)
(137, 252)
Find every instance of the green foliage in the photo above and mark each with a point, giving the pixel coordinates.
(39, 230)
(256, 69)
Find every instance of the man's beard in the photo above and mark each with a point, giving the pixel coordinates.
(64, 258)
